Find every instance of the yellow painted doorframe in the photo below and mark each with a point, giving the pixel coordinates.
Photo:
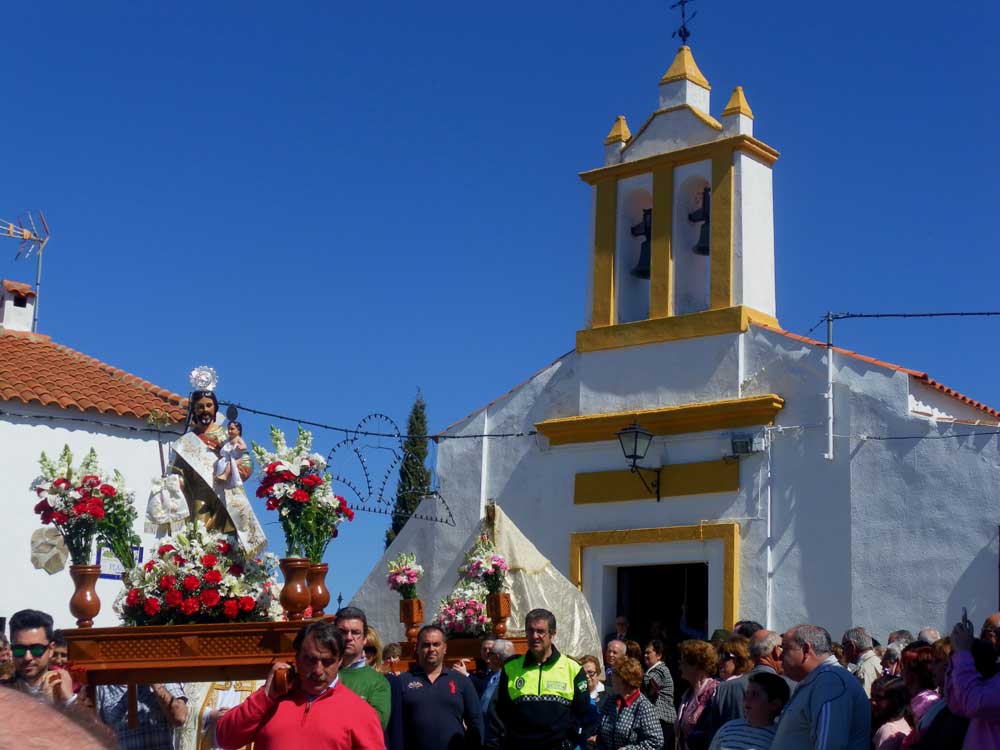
(727, 532)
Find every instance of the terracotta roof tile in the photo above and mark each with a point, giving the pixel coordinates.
(923, 377)
(33, 368)
(16, 287)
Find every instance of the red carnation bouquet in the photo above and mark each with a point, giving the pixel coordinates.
(294, 484)
(82, 502)
(199, 576)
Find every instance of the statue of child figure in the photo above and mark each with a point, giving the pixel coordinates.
(230, 452)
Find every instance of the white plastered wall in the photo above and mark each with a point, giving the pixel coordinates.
(21, 444)
(753, 234)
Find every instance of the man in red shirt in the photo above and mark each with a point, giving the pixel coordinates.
(316, 712)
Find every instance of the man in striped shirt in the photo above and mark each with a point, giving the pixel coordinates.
(829, 709)
(766, 694)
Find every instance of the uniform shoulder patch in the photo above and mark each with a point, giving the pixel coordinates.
(519, 683)
(581, 686)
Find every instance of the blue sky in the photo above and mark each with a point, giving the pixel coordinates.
(334, 208)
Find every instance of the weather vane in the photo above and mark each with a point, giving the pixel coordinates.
(683, 32)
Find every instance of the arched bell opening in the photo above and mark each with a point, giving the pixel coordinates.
(691, 247)
(633, 257)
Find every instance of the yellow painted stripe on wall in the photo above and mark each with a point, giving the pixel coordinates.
(676, 480)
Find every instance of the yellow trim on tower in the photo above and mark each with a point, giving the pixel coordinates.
(657, 330)
(684, 68)
(665, 420)
(720, 279)
(661, 258)
(619, 132)
(746, 143)
(727, 532)
(738, 104)
(676, 480)
(605, 219)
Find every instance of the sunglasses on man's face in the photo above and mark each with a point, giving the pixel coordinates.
(37, 649)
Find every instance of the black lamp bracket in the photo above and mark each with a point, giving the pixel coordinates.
(654, 484)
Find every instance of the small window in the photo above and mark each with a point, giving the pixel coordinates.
(20, 300)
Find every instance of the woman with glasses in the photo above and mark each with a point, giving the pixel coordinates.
(598, 697)
(734, 658)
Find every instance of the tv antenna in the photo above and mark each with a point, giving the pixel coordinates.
(683, 33)
(32, 240)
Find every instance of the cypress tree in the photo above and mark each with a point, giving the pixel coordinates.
(414, 476)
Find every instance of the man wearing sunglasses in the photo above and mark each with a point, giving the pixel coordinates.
(31, 647)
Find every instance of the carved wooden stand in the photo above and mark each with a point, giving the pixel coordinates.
(179, 653)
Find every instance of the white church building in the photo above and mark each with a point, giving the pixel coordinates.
(51, 396)
(780, 500)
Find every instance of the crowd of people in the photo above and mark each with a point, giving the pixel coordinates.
(748, 689)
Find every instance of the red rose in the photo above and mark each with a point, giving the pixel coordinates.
(178, 560)
(271, 467)
(230, 608)
(43, 506)
(210, 597)
(168, 582)
(107, 490)
(47, 516)
(191, 583)
(164, 549)
(80, 508)
(272, 503)
(151, 607)
(212, 577)
(173, 598)
(62, 483)
(58, 517)
(209, 560)
(133, 597)
(96, 508)
(189, 606)
(311, 480)
(286, 476)
(350, 514)
(300, 496)
(149, 565)
(224, 547)
(247, 603)
(262, 492)
(236, 570)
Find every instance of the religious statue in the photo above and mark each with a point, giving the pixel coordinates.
(212, 489)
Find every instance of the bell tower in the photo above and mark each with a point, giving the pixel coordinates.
(683, 242)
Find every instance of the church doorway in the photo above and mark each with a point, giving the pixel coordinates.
(674, 597)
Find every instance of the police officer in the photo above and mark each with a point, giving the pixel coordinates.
(543, 696)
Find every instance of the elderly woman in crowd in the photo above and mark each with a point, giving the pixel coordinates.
(629, 720)
(698, 662)
(599, 696)
(939, 728)
(658, 687)
(734, 658)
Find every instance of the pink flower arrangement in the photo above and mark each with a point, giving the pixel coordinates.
(482, 563)
(461, 616)
(404, 574)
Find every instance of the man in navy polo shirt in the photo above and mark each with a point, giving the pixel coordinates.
(440, 706)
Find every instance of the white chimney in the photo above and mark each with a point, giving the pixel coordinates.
(17, 306)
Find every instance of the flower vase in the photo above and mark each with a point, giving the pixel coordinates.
(411, 614)
(319, 595)
(295, 596)
(84, 604)
(498, 610)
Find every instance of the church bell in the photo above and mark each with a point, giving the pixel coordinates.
(703, 214)
(643, 229)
